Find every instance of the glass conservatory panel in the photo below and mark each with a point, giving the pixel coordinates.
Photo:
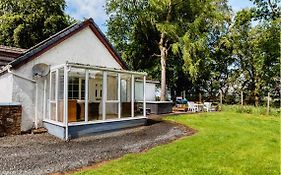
(125, 95)
(112, 86)
(60, 90)
(138, 93)
(52, 97)
(95, 95)
(76, 95)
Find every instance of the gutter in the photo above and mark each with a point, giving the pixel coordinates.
(8, 69)
(22, 77)
(5, 68)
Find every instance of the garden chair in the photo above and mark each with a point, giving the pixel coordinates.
(192, 107)
(208, 106)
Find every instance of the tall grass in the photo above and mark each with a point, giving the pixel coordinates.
(261, 110)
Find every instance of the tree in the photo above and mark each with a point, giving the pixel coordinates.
(169, 17)
(205, 47)
(257, 54)
(161, 20)
(151, 28)
(267, 9)
(24, 23)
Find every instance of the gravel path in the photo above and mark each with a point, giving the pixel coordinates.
(44, 154)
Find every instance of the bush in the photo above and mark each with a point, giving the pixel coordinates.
(261, 110)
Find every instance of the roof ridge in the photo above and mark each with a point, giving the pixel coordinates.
(52, 36)
(49, 42)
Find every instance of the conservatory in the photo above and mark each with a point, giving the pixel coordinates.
(84, 99)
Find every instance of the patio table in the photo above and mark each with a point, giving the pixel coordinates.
(199, 106)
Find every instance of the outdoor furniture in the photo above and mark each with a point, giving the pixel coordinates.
(199, 106)
(72, 111)
(178, 100)
(192, 106)
(180, 107)
(208, 106)
(181, 104)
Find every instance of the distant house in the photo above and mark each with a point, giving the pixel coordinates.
(73, 83)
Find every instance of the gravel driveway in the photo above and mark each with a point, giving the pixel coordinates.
(44, 154)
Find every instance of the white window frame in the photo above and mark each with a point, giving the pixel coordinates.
(105, 71)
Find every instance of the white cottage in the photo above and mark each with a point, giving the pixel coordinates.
(83, 87)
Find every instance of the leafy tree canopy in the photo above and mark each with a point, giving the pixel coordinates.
(208, 49)
(24, 23)
(153, 30)
(267, 9)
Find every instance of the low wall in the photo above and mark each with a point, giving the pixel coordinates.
(10, 119)
(75, 131)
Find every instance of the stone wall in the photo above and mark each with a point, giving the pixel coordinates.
(10, 119)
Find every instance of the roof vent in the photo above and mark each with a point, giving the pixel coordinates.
(40, 70)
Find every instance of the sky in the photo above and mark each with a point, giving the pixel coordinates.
(80, 9)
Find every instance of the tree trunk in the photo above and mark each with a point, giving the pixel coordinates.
(257, 81)
(163, 46)
(256, 99)
(164, 52)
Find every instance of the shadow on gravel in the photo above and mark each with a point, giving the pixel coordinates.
(150, 122)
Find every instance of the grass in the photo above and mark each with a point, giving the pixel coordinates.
(227, 143)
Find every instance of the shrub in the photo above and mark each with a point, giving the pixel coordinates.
(261, 110)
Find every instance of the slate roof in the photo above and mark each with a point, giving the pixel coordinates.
(8, 54)
(62, 35)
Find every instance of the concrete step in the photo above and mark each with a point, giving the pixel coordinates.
(39, 131)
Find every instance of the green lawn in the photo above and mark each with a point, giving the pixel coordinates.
(226, 143)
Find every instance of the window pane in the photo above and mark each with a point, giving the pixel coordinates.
(111, 111)
(52, 104)
(138, 109)
(126, 105)
(61, 95)
(53, 85)
(95, 95)
(112, 86)
(53, 111)
(138, 88)
(76, 95)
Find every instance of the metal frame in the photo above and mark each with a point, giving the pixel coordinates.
(104, 94)
(119, 95)
(76, 65)
(65, 100)
(45, 98)
(57, 94)
(144, 102)
(132, 96)
(86, 94)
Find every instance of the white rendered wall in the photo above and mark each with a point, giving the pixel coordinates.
(24, 92)
(83, 47)
(6, 88)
